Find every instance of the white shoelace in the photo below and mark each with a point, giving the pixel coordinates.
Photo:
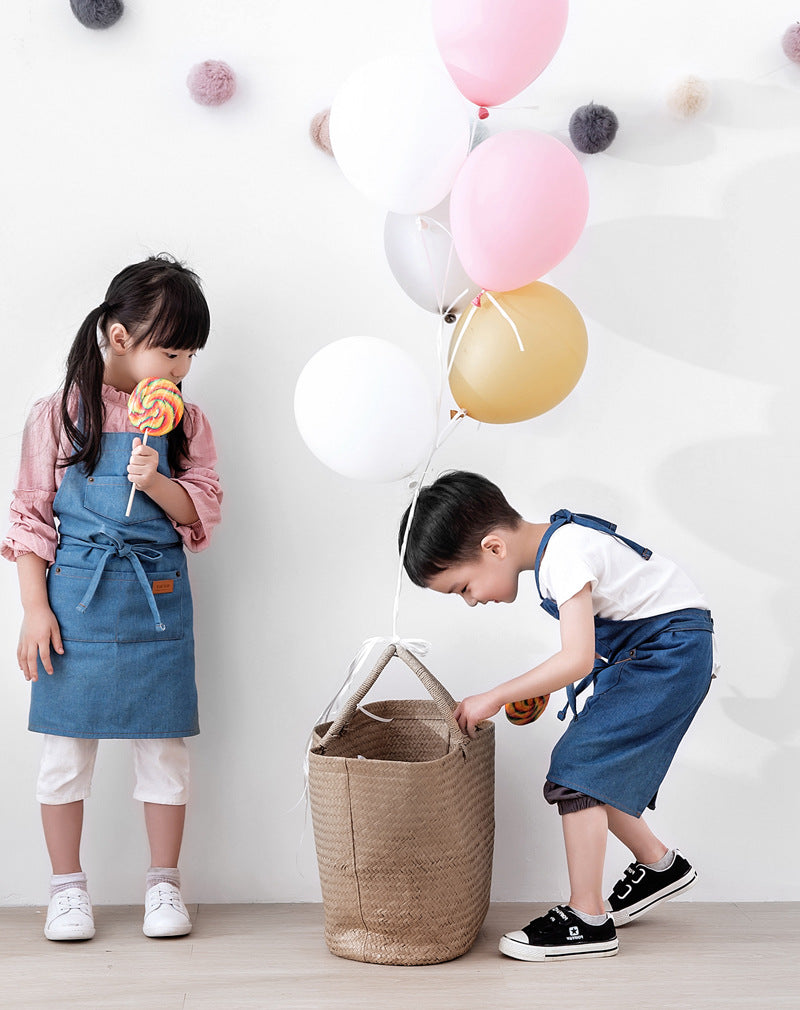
(66, 901)
(164, 894)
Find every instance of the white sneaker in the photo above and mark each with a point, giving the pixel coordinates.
(69, 915)
(164, 911)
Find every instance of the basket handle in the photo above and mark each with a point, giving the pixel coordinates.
(441, 696)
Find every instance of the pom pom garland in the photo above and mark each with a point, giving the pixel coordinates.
(97, 13)
(211, 83)
(320, 131)
(791, 42)
(592, 128)
(689, 98)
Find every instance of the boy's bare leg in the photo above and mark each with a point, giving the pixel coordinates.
(585, 836)
(636, 835)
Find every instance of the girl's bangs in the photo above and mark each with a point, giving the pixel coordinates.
(181, 320)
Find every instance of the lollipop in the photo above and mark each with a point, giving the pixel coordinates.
(523, 712)
(155, 407)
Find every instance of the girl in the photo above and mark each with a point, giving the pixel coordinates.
(106, 636)
(636, 629)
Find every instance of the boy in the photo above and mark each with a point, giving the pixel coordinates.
(632, 625)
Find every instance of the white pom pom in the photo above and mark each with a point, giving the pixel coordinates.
(689, 97)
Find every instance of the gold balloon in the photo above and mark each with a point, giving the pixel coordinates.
(492, 379)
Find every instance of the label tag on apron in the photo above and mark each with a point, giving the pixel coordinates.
(163, 586)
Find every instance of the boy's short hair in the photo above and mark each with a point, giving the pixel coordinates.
(451, 517)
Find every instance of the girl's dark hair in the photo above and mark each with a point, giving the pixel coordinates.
(451, 518)
(160, 303)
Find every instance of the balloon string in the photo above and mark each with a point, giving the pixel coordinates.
(506, 316)
(438, 294)
(473, 128)
(443, 309)
(440, 363)
(441, 439)
(516, 108)
(416, 645)
(432, 221)
(473, 309)
(455, 301)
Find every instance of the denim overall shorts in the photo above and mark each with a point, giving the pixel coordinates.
(119, 589)
(654, 674)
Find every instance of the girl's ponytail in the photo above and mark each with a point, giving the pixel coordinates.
(84, 382)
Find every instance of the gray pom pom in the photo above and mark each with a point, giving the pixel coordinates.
(592, 128)
(97, 13)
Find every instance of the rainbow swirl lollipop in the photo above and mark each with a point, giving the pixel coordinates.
(523, 712)
(155, 407)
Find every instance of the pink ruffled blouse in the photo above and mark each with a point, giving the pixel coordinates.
(33, 529)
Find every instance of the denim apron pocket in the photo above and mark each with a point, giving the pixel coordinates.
(117, 593)
(107, 497)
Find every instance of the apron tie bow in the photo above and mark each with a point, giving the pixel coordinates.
(132, 553)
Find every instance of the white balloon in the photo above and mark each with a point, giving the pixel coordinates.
(365, 409)
(400, 132)
(420, 253)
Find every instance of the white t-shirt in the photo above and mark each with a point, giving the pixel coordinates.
(624, 586)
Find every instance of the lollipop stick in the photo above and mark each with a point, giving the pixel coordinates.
(133, 486)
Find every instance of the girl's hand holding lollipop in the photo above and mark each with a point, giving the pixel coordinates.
(155, 407)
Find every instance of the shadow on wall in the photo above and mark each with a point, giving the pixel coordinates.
(748, 503)
(749, 491)
(714, 292)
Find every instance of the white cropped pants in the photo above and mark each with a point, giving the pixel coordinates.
(161, 768)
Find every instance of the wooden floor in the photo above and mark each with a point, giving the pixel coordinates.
(684, 955)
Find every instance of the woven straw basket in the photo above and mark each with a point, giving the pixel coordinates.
(403, 816)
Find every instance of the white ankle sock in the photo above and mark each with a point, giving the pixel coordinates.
(162, 875)
(61, 881)
(590, 920)
(664, 863)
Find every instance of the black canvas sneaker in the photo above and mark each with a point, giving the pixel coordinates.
(560, 935)
(641, 888)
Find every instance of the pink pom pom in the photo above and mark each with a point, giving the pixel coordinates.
(211, 83)
(320, 131)
(791, 42)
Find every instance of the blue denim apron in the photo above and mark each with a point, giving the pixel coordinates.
(119, 589)
(653, 676)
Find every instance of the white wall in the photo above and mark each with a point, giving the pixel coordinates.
(683, 428)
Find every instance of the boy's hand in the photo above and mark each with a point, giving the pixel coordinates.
(143, 465)
(39, 629)
(472, 710)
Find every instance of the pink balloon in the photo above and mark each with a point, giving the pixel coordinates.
(493, 49)
(518, 206)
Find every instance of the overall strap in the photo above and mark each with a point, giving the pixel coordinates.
(556, 522)
(561, 518)
(602, 526)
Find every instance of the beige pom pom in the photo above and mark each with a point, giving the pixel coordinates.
(689, 97)
(320, 131)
